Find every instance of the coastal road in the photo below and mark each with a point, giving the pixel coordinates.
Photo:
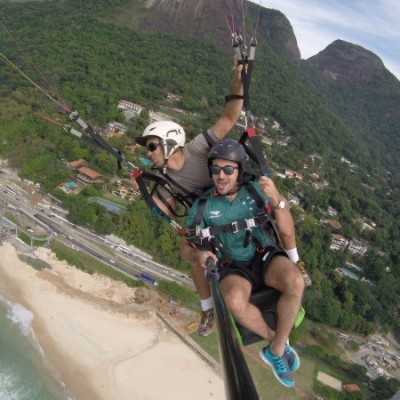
(53, 224)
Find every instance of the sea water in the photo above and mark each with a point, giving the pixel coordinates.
(25, 374)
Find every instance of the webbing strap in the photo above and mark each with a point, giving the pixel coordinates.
(186, 198)
(256, 153)
(233, 227)
(209, 141)
(257, 150)
(74, 116)
(168, 184)
(137, 175)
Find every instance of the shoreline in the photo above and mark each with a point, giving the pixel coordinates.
(102, 344)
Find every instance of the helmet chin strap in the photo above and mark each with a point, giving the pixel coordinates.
(166, 155)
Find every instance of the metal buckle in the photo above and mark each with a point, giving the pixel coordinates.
(234, 226)
(205, 233)
(198, 231)
(250, 223)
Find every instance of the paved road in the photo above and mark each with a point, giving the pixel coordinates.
(49, 223)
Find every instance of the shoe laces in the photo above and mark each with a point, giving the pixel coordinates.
(301, 266)
(279, 363)
(288, 353)
(205, 317)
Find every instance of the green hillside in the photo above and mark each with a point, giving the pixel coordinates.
(92, 59)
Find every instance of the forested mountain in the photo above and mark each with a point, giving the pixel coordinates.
(339, 103)
(366, 95)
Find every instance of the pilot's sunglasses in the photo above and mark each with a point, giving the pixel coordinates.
(228, 169)
(152, 146)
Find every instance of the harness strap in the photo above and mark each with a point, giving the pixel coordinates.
(173, 183)
(262, 217)
(167, 205)
(137, 175)
(234, 227)
(257, 149)
(161, 180)
(269, 227)
(207, 136)
(96, 138)
(176, 190)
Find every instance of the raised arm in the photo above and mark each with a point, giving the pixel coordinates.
(233, 107)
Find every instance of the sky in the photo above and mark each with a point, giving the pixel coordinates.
(372, 24)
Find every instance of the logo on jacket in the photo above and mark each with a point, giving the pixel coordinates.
(215, 214)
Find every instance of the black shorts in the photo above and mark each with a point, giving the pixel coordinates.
(254, 270)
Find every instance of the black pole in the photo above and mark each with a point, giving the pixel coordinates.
(239, 384)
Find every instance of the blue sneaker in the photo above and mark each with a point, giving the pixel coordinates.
(279, 366)
(292, 357)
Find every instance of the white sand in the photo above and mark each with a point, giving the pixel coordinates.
(102, 344)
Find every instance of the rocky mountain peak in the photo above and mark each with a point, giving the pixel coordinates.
(346, 62)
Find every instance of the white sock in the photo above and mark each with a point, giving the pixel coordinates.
(293, 255)
(206, 304)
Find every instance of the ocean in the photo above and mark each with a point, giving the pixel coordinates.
(24, 372)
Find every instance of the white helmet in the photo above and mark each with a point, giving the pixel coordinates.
(171, 134)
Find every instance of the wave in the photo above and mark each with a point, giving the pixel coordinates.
(21, 338)
(22, 318)
(12, 387)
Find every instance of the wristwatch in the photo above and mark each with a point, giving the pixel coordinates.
(281, 205)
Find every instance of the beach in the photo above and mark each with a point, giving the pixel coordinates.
(102, 339)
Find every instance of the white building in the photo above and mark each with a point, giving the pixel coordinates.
(357, 247)
(133, 108)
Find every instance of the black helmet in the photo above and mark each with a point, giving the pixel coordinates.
(228, 149)
(231, 150)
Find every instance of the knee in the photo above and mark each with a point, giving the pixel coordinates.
(295, 284)
(285, 277)
(292, 282)
(237, 306)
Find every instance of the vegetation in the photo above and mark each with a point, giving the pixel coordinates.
(106, 62)
(88, 264)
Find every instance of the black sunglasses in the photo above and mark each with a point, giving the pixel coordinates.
(228, 169)
(152, 146)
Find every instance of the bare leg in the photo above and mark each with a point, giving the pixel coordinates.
(236, 292)
(190, 254)
(200, 282)
(283, 275)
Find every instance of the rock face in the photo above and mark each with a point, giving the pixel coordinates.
(185, 18)
(204, 20)
(276, 30)
(346, 62)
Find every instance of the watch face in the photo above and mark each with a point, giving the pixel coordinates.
(281, 204)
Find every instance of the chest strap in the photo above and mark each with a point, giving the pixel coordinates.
(234, 227)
